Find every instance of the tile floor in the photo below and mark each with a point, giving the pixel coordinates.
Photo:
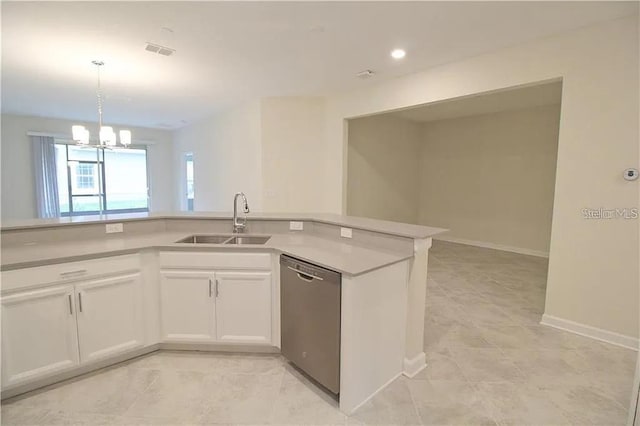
(489, 363)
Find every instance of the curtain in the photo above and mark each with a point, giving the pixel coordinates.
(46, 179)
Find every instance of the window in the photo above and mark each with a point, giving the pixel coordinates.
(188, 158)
(85, 175)
(91, 180)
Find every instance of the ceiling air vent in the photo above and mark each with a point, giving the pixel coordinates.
(165, 51)
(160, 50)
(152, 48)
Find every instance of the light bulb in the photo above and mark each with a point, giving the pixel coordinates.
(84, 137)
(125, 137)
(77, 133)
(107, 136)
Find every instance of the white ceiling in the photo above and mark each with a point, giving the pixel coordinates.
(228, 52)
(486, 103)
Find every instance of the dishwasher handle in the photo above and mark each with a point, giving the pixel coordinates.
(305, 277)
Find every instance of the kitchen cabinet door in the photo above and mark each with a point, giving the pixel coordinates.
(39, 335)
(243, 307)
(110, 316)
(188, 306)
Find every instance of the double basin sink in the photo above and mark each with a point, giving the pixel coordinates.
(225, 239)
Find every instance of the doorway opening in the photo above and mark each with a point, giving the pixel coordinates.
(482, 166)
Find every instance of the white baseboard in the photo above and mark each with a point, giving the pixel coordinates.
(592, 332)
(220, 347)
(415, 365)
(493, 246)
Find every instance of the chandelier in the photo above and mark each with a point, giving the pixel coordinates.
(106, 134)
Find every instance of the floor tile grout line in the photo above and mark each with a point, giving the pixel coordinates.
(278, 397)
(142, 393)
(413, 403)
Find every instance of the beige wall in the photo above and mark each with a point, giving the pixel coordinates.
(270, 149)
(18, 187)
(383, 168)
(490, 178)
(292, 145)
(593, 266)
(227, 158)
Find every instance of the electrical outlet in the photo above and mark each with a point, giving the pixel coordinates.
(113, 228)
(296, 226)
(346, 232)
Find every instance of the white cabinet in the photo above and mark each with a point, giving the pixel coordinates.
(110, 317)
(58, 317)
(187, 306)
(39, 336)
(243, 307)
(208, 306)
(216, 297)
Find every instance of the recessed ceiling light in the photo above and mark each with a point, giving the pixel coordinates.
(398, 53)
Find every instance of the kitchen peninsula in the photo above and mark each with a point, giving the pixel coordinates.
(82, 293)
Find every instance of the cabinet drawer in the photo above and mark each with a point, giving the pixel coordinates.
(68, 272)
(217, 260)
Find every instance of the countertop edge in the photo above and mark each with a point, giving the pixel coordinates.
(210, 248)
(367, 224)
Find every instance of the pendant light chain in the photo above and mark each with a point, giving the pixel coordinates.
(99, 64)
(99, 94)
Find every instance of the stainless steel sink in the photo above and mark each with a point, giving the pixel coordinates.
(225, 239)
(205, 239)
(248, 239)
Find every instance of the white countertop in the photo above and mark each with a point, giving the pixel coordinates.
(337, 255)
(383, 226)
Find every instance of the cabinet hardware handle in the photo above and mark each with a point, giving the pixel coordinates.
(80, 301)
(70, 306)
(217, 289)
(210, 284)
(76, 272)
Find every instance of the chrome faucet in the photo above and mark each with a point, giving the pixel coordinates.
(239, 225)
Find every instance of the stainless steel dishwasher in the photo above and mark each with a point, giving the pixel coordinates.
(310, 316)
